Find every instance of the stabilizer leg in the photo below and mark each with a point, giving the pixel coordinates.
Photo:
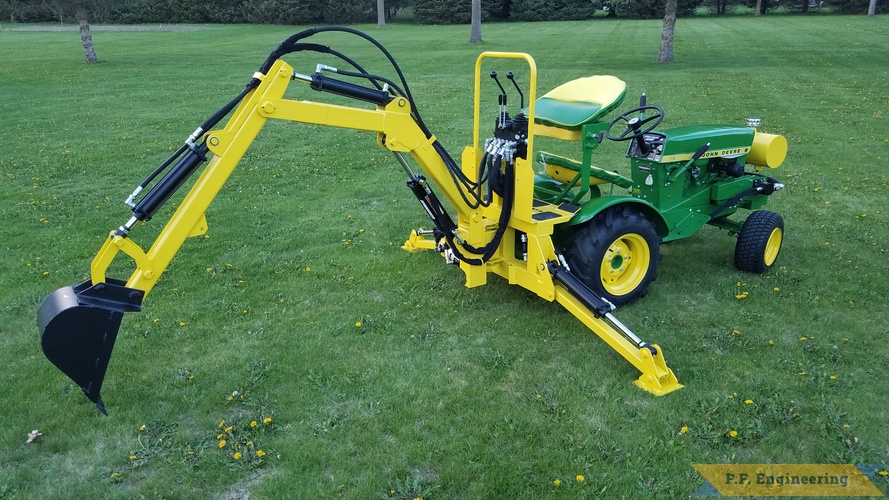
(595, 313)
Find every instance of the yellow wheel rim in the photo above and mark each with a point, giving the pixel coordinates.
(773, 246)
(625, 264)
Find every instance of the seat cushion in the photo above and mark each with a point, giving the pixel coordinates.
(581, 101)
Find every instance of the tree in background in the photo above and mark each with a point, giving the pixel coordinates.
(872, 8)
(381, 13)
(86, 36)
(665, 52)
(475, 35)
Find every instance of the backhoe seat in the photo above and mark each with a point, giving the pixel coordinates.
(579, 102)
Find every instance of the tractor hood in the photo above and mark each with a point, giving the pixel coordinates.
(728, 142)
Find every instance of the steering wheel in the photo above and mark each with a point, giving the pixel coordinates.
(635, 124)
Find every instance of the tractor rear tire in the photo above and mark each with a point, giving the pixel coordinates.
(615, 254)
(759, 242)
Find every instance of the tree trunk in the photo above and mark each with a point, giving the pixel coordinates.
(86, 37)
(665, 54)
(758, 11)
(872, 9)
(381, 14)
(475, 36)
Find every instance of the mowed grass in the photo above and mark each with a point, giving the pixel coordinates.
(442, 391)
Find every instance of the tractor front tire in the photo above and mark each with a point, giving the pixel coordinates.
(759, 242)
(615, 254)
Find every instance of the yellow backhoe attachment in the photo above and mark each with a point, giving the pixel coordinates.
(496, 215)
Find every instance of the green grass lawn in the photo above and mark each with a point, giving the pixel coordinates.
(443, 391)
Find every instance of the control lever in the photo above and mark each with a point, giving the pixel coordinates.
(511, 77)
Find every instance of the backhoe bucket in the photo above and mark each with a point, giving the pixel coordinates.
(78, 327)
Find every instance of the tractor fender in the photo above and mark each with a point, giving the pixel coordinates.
(592, 208)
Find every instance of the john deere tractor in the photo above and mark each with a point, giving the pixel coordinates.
(678, 180)
(579, 235)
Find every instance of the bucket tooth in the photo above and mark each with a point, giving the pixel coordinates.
(78, 328)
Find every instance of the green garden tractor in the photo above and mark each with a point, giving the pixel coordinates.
(680, 180)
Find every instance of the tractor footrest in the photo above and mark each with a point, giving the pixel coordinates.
(556, 214)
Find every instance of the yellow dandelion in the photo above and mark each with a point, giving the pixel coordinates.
(133, 457)
(748, 401)
(357, 324)
(557, 482)
(230, 397)
(803, 339)
(579, 478)
(229, 428)
(736, 332)
(248, 443)
(539, 396)
(114, 474)
(776, 289)
(802, 373)
(237, 455)
(253, 423)
(731, 396)
(181, 323)
(308, 269)
(222, 443)
(742, 295)
(833, 377)
(733, 433)
(220, 436)
(846, 426)
(267, 420)
(883, 473)
(141, 428)
(156, 320)
(771, 342)
(683, 430)
(260, 453)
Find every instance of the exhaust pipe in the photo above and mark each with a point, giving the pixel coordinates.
(78, 328)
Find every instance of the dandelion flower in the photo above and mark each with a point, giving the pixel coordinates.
(229, 428)
(803, 339)
(181, 323)
(579, 478)
(230, 397)
(267, 420)
(683, 430)
(220, 436)
(357, 324)
(222, 443)
(833, 377)
(846, 426)
(133, 457)
(222, 424)
(771, 342)
(253, 423)
(237, 455)
(260, 453)
(557, 482)
(733, 433)
(141, 428)
(883, 473)
(748, 401)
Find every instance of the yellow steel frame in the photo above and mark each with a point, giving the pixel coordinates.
(398, 132)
